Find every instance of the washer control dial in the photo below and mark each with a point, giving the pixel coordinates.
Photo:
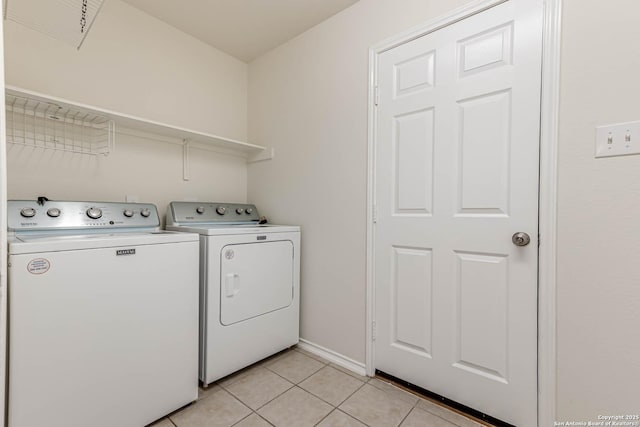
(94, 213)
(200, 210)
(54, 212)
(239, 211)
(249, 211)
(128, 213)
(221, 210)
(145, 212)
(28, 212)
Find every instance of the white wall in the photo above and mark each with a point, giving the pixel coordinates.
(308, 99)
(134, 64)
(598, 217)
(140, 167)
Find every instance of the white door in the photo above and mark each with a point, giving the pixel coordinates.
(456, 175)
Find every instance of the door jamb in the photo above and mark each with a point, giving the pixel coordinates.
(547, 209)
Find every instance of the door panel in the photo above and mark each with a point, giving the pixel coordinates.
(456, 174)
(481, 345)
(483, 183)
(411, 296)
(413, 150)
(256, 278)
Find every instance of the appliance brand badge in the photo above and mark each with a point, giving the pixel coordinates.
(125, 252)
(38, 266)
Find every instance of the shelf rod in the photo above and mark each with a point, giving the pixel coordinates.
(185, 159)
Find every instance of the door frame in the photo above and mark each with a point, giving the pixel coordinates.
(547, 208)
(4, 310)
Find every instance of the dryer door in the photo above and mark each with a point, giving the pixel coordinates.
(255, 278)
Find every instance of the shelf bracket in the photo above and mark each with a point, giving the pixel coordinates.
(185, 159)
(267, 154)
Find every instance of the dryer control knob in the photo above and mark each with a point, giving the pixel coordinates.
(128, 213)
(239, 211)
(249, 211)
(28, 212)
(145, 212)
(54, 212)
(94, 213)
(200, 210)
(221, 210)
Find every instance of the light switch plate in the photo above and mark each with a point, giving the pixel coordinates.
(621, 139)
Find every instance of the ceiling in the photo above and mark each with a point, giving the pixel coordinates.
(242, 28)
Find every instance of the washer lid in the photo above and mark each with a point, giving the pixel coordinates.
(24, 243)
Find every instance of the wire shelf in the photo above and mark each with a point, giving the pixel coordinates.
(41, 124)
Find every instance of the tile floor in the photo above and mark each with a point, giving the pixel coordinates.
(298, 389)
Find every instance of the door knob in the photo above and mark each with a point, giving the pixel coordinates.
(520, 239)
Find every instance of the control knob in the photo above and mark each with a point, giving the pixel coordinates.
(200, 210)
(145, 212)
(239, 211)
(128, 213)
(94, 213)
(28, 212)
(53, 212)
(249, 211)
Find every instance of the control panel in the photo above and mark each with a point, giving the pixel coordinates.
(68, 215)
(207, 212)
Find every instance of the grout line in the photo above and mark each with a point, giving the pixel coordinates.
(274, 398)
(326, 416)
(342, 401)
(241, 402)
(353, 416)
(420, 396)
(407, 416)
(285, 378)
(248, 415)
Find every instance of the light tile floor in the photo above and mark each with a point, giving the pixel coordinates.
(297, 389)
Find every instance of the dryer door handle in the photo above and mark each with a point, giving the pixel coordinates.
(231, 285)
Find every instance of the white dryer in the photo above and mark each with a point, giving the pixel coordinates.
(103, 324)
(249, 284)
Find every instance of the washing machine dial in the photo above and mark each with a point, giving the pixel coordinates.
(28, 212)
(249, 211)
(128, 213)
(221, 210)
(54, 212)
(94, 213)
(200, 210)
(145, 212)
(239, 211)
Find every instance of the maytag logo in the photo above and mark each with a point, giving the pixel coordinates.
(125, 252)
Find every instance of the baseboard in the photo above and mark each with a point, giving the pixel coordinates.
(333, 357)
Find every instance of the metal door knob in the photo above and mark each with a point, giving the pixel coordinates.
(520, 239)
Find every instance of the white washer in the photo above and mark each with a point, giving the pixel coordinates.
(249, 284)
(103, 323)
